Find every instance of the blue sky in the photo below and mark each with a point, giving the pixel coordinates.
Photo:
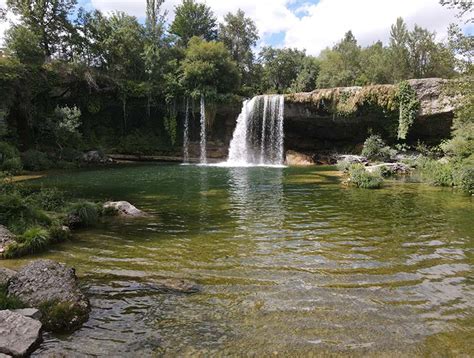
(310, 24)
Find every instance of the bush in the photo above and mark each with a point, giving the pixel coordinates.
(376, 149)
(59, 233)
(8, 302)
(33, 240)
(17, 214)
(83, 214)
(435, 172)
(464, 179)
(49, 199)
(12, 165)
(7, 151)
(363, 179)
(60, 316)
(35, 160)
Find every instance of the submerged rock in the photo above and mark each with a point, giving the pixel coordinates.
(19, 335)
(298, 159)
(6, 238)
(6, 275)
(52, 288)
(124, 208)
(174, 285)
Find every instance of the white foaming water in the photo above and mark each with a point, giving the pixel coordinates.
(186, 134)
(203, 158)
(258, 135)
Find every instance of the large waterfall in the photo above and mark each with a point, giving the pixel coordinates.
(258, 136)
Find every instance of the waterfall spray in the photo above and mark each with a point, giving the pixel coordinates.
(203, 158)
(186, 133)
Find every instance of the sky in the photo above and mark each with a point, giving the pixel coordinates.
(309, 24)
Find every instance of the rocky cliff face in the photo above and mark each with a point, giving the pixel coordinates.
(339, 119)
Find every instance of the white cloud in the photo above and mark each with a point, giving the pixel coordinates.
(310, 26)
(326, 22)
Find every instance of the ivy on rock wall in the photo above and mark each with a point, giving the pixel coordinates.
(408, 106)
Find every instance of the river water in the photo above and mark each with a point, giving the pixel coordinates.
(289, 262)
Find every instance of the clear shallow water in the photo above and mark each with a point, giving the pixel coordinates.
(289, 262)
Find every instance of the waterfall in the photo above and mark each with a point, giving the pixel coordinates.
(203, 159)
(258, 135)
(186, 133)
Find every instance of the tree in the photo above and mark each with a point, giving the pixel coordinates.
(24, 44)
(193, 19)
(208, 69)
(341, 65)
(307, 76)
(65, 125)
(374, 63)
(48, 19)
(399, 55)
(239, 34)
(280, 68)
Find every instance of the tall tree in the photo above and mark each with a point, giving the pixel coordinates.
(193, 19)
(341, 65)
(208, 68)
(399, 55)
(239, 34)
(48, 19)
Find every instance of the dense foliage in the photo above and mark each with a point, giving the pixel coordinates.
(77, 79)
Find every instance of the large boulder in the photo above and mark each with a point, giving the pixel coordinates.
(6, 275)
(298, 159)
(6, 238)
(53, 289)
(432, 96)
(124, 208)
(19, 335)
(96, 157)
(389, 168)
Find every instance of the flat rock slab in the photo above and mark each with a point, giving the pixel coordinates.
(29, 312)
(19, 335)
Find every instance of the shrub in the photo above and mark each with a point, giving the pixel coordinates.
(361, 178)
(50, 199)
(59, 233)
(12, 165)
(435, 172)
(62, 316)
(82, 214)
(7, 151)
(35, 160)
(33, 240)
(376, 149)
(464, 179)
(17, 214)
(8, 302)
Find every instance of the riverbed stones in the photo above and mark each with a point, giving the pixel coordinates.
(51, 287)
(294, 158)
(352, 159)
(124, 209)
(175, 285)
(96, 157)
(29, 312)
(6, 238)
(19, 335)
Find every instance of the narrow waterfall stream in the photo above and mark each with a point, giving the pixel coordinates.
(258, 135)
(203, 157)
(186, 133)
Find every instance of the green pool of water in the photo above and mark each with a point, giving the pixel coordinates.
(290, 263)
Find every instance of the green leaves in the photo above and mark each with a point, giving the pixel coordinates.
(409, 106)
